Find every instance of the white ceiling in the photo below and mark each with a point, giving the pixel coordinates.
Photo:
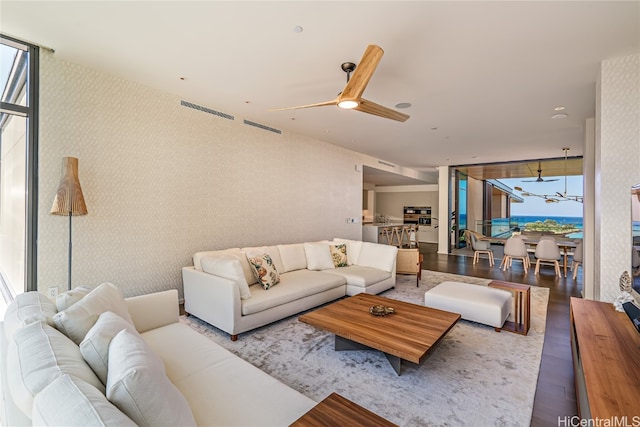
(483, 78)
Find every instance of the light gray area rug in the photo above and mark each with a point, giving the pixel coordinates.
(476, 377)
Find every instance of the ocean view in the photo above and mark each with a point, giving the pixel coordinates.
(500, 226)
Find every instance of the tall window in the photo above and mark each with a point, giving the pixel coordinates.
(18, 166)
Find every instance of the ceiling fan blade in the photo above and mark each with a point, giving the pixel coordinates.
(381, 111)
(317, 104)
(362, 74)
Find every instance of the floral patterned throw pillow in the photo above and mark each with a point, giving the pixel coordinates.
(264, 270)
(339, 255)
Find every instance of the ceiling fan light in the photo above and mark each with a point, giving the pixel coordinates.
(347, 105)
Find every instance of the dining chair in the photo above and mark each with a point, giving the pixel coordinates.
(514, 248)
(577, 260)
(481, 247)
(548, 252)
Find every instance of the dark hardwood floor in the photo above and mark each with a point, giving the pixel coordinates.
(555, 392)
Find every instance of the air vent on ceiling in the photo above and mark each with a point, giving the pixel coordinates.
(258, 125)
(386, 164)
(207, 110)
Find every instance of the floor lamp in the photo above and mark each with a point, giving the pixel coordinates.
(69, 200)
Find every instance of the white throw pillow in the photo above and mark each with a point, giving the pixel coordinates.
(69, 401)
(38, 355)
(67, 299)
(382, 257)
(197, 257)
(353, 249)
(76, 321)
(318, 256)
(95, 345)
(138, 385)
(229, 267)
(25, 309)
(293, 257)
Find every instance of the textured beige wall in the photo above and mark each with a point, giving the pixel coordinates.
(617, 163)
(162, 181)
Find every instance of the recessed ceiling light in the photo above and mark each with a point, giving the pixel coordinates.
(559, 116)
(403, 105)
(298, 29)
(183, 78)
(434, 128)
(474, 157)
(560, 108)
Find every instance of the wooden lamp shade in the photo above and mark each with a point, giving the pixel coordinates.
(69, 199)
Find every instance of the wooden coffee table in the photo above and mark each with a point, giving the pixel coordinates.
(409, 334)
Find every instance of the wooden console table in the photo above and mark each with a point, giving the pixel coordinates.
(606, 362)
(336, 411)
(522, 306)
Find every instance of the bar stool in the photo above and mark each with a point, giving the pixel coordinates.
(404, 236)
(396, 239)
(413, 236)
(386, 234)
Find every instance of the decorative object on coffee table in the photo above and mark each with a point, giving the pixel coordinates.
(381, 310)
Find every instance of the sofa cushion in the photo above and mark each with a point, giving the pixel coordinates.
(360, 276)
(197, 257)
(76, 321)
(138, 385)
(229, 267)
(293, 285)
(339, 255)
(273, 252)
(318, 256)
(293, 257)
(38, 355)
(265, 271)
(353, 249)
(27, 308)
(67, 299)
(69, 401)
(221, 388)
(95, 345)
(378, 256)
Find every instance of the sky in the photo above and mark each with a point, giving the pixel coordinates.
(536, 206)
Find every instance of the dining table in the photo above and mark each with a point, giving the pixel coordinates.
(564, 245)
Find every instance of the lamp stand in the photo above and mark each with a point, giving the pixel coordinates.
(70, 245)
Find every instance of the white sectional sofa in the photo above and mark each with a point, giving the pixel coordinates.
(135, 364)
(221, 288)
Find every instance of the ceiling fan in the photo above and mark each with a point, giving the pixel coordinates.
(351, 95)
(540, 179)
(553, 198)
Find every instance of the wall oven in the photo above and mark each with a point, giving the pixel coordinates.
(420, 215)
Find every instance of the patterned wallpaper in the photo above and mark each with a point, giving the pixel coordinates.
(162, 181)
(617, 169)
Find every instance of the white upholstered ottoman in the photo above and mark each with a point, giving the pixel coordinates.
(477, 303)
